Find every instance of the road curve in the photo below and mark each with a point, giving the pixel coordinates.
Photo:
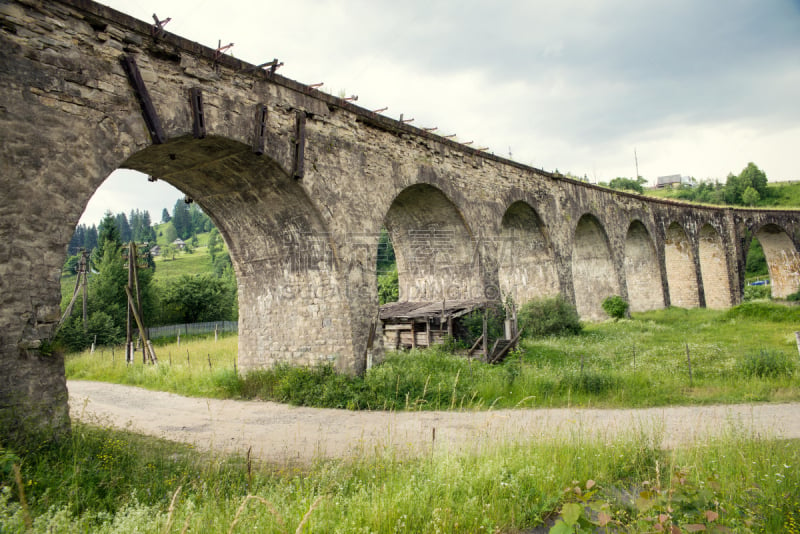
(285, 434)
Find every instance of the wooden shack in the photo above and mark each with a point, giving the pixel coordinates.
(423, 324)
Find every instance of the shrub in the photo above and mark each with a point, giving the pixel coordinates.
(757, 292)
(615, 306)
(794, 297)
(767, 364)
(472, 324)
(549, 316)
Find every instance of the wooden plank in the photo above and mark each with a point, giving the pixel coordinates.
(397, 327)
(260, 132)
(198, 114)
(300, 144)
(148, 110)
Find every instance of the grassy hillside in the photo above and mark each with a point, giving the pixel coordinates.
(781, 195)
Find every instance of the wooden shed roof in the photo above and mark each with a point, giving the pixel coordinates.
(397, 311)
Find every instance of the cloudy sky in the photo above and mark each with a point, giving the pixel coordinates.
(695, 87)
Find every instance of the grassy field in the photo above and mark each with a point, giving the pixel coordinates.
(117, 482)
(744, 354)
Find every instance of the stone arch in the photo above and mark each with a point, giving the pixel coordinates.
(526, 263)
(436, 255)
(714, 269)
(292, 306)
(642, 272)
(680, 265)
(593, 274)
(783, 259)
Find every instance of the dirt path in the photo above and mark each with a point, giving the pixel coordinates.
(281, 433)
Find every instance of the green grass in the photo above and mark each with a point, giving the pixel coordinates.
(628, 363)
(182, 369)
(198, 262)
(112, 481)
(782, 194)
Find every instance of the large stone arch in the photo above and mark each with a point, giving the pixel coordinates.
(525, 256)
(292, 299)
(593, 275)
(680, 265)
(435, 251)
(714, 269)
(642, 271)
(783, 259)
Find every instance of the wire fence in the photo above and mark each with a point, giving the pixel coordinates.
(157, 332)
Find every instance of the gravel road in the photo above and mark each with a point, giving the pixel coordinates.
(286, 434)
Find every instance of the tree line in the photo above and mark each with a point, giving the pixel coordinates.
(747, 188)
(209, 296)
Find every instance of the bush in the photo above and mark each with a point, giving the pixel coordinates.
(794, 297)
(615, 306)
(767, 364)
(549, 316)
(757, 292)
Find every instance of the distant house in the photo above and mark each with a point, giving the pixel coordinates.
(179, 244)
(155, 250)
(674, 180)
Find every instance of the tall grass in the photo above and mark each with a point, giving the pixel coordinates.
(111, 481)
(197, 367)
(744, 354)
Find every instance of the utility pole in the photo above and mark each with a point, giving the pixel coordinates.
(636, 160)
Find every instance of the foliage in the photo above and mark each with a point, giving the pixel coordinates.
(388, 286)
(767, 364)
(112, 481)
(198, 298)
(756, 292)
(750, 196)
(793, 297)
(756, 263)
(549, 316)
(748, 188)
(615, 306)
(472, 325)
(107, 236)
(628, 184)
(637, 362)
(386, 258)
(99, 326)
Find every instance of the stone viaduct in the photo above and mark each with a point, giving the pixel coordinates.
(300, 183)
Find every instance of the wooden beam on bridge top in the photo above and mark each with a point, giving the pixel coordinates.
(143, 96)
(300, 144)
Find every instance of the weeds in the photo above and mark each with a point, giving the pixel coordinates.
(739, 355)
(151, 485)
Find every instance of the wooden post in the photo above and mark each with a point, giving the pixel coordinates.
(215, 331)
(145, 348)
(797, 337)
(485, 339)
(84, 266)
(179, 338)
(428, 332)
(413, 334)
(128, 323)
